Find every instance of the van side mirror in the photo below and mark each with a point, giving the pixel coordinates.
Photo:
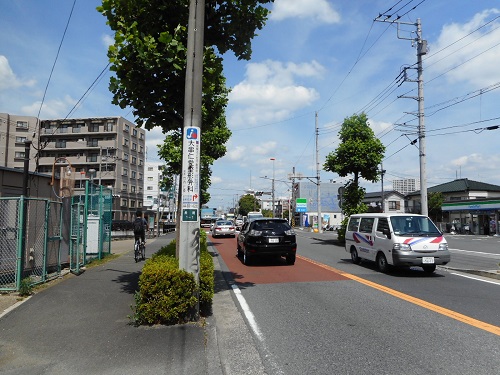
(387, 232)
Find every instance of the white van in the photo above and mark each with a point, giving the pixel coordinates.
(400, 240)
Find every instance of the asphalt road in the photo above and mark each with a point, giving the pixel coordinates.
(326, 315)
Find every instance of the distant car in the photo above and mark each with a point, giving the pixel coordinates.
(223, 228)
(267, 236)
(122, 225)
(239, 223)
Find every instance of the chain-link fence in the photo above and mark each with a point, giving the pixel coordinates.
(39, 237)
(33, 225)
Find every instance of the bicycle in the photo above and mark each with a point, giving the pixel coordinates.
(139, 250)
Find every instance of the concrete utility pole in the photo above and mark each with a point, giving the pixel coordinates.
(318, 185)
(189, 228)
(421, 50)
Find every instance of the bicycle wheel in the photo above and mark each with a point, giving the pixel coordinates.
(137, 251)
(143, 251)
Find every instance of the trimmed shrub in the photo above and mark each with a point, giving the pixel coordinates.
(168, 295)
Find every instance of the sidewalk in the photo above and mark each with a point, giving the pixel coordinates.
(81, 325)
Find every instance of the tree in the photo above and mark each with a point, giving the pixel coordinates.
(435, 202)
(248, 203)
(148, 58)
(358, 154)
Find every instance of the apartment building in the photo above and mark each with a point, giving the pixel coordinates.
(109, 151)
(406, 185)
(14, 131)
(157, 201)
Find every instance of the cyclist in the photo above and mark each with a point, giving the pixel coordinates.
(140, 227)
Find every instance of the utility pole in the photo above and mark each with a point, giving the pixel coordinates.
(189, 227)
(382, 172)
(421, 50)
(318, 185)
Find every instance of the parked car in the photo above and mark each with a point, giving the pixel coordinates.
(223, 228)
(267, 237)
(122, 225)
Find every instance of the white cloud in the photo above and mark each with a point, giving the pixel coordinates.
(269, 92)
(56, 108)
(236, 153)
(319, 10)
(479, 71)
(107, 40)
(8, 79)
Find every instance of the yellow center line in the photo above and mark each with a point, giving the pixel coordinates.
(417, 301)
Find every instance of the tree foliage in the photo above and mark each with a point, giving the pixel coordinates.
(248, 203)
(434, 204)
(148, 59)
(359, 155)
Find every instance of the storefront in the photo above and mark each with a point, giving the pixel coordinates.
(475, 216)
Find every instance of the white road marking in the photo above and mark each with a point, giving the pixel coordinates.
(248, 313)
(475, 278)
(477, 253)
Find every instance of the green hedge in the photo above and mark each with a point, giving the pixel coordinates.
(168, 295)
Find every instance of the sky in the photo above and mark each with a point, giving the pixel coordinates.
(314, 64)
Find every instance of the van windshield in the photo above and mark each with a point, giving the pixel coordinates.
(414, 226)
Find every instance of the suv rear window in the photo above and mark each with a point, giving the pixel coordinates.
(276, 226)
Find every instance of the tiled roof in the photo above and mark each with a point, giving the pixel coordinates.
(460, 185)
(378, 194)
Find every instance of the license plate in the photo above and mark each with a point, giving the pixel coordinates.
(428, 260)
(274, 240)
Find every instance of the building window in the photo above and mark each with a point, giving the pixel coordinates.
(92, 143)
(92, 158)
(125, 172)
(125, 157)
(63, 128)
(150, 188)
(134, 160)
(132, 204)
(126, 128)
(132, 189)
(19, 155)
(141, 136)
(125, 142)
(141, 149)
(141, 162)
(133, 174)
(150, 178)
(150, 169)
(22, 124)
(124, 203)
(134, 146)
(61, 143)
(394, 205)
(140, 176)
(94, 128)
(77, 128)
(124, 187)
(21, 139)
(108, 127)
(134, 132)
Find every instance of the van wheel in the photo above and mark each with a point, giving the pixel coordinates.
(239, 253)
(382, 264)
(354, 256)
(429, 269)
(290, 259)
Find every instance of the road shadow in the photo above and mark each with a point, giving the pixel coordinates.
(129, 281)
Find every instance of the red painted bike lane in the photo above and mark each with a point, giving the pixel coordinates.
(270, 270)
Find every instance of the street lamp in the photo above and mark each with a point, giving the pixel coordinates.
(272, 189)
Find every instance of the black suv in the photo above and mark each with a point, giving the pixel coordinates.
(267, 236)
